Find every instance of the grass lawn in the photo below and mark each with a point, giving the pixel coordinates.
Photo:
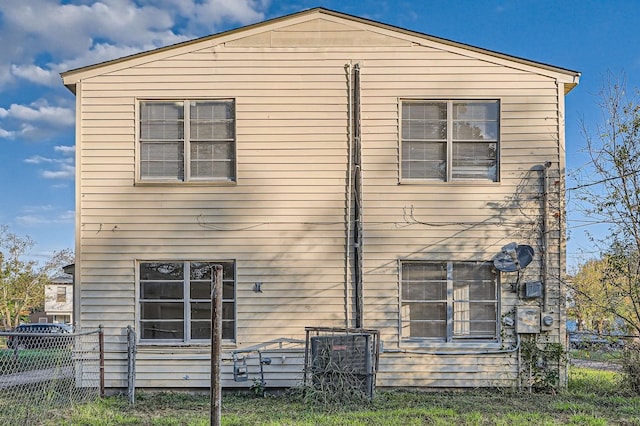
(33, 359)
(592, 398)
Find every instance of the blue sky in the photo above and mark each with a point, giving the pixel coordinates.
(41, 38)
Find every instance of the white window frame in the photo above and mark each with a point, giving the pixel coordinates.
(451, 323)
(450, 140)
(187, 178)
(186, 303)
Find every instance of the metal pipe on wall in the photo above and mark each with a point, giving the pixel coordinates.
(357, 182)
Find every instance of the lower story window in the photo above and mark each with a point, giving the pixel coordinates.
(175, 300)
(449, 301)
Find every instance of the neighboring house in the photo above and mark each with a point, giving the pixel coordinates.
(346, 173)
(58, 299)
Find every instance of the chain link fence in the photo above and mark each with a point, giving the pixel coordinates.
(600, 351)
(45, 367)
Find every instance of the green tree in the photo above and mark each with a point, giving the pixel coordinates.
(22, 281)
(610, 190)
(596, 297)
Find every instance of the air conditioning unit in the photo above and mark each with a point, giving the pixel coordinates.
(340, 358)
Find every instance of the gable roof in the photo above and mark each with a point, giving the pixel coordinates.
(70, 78)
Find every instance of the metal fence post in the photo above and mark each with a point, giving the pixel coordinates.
(131, 365)
(101, 345)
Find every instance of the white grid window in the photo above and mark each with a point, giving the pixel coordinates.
(187, 140)
(450, 140)
(175, 300)
(449, 301)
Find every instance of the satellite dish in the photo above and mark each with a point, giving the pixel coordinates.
(513, 257)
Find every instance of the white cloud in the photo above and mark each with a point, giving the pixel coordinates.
(58, 168)
(40, 111)
(36, 121)
(38, 159)
(65, 149)
(6, 133)
(36, 74)
(37, 208)
(65, 171)
(42, 38)
(81, 32)
(34, 219)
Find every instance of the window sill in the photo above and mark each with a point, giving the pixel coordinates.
(185, 183)
(462, 347)
(449, 183)
(173, 345)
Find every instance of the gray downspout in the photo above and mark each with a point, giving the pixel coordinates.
(357, 189)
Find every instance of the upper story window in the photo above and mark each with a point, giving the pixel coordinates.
(61, 294)
(187, 140)
(450, 140)
(449, 302)
(175, 301)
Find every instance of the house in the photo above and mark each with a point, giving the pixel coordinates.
(58, 299)
(345, 173)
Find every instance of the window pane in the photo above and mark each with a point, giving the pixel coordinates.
(213, 130)
(200, 270)
(212, 110)
(212, 120)
(424, 121)
(425, 329)
(424, 270)
(162, 131)
(484, 328)
(424, 110)
(471, 131)
(424, 130)
(201, 310)
(228, 310)
(424, 160)
(475, 111)
(161, 160)
(482, 311)
(428, 290)
(201, 290)
(161, 120)
(475, 161)
(201, 330)
(474, 281)
(161, 310)
(228, 329)
(424, 281)
(161, 271)
(173, 330)
(424, 311)
(212, 159)
(163, 111)
(161, 290)
(228, 291)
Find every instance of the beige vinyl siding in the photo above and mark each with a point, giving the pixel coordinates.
(284, 222)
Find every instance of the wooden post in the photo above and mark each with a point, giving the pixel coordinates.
(216, 341)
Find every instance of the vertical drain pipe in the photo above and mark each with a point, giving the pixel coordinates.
(545, 236)
(349, 190)
(357, 190)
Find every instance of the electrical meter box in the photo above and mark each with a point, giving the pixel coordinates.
(528, 319)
